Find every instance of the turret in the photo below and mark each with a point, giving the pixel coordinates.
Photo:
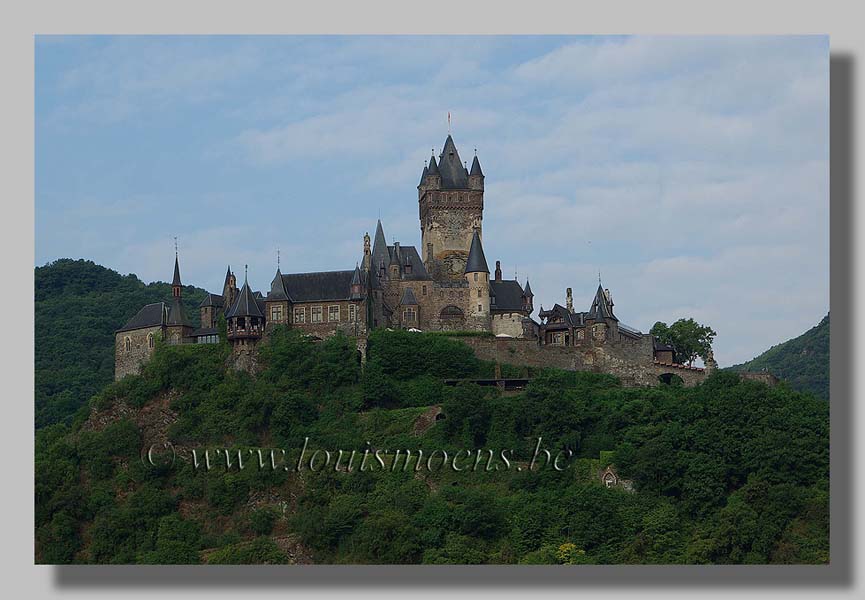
(478, 276)
(367, 252)
(277, 300)
(476, 176)
(394, 268)
(380, 257)
(528, 297)
(245, 319)
(356, 286)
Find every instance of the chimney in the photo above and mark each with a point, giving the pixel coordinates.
(609, 297)
(498, 270)
(569, 300)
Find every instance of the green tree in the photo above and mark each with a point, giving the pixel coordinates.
(688, 338)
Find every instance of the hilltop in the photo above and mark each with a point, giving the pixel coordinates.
(802, 361)
(79, 305)
(717, 477)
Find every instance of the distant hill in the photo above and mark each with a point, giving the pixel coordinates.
(79, 305)
(802, 361)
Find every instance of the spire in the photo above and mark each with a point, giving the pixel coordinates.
(432, 169)
(423, 175)
(527, 291)
(477, 262)
(356, 285)
(176, 280)
(453, 172)
(476, 168)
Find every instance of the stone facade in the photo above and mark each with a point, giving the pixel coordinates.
(445, 284)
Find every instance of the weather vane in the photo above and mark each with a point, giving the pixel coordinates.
(277, 257)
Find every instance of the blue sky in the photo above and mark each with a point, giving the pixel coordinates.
(693, 172)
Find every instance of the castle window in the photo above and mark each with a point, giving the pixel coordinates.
(409, 314)
(480, 308)
(300, 315)
(150, 340)
(479, 291)
(276, 313)
(581, 334)
(423, 290)
(408, 268)
(476, 276)
(333, 313)
(127, 344)
(352, 313)
(315, 314)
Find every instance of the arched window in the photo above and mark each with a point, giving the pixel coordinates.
(127, 343)
(150, 340)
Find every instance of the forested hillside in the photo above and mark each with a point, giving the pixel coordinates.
(79, 305)
(728, 472)
(802, 361)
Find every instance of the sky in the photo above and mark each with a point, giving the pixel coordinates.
(692, 173)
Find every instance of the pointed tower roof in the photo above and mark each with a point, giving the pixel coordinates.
(477, 262)
(177, 314)
(356, 276)
(433, 168)
(527, 291)
(408, 297)
(453, 172)
(245, 306)
(176, 280)
(278, 290)
(476, 167)
(423, 175)
(601, 308)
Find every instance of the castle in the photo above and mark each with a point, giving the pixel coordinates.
(447, 285)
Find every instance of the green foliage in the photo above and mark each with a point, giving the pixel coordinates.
(802, 361)
(79, 306)
(688, 338)
(730, 471)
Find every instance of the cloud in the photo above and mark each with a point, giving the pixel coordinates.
(691, 171)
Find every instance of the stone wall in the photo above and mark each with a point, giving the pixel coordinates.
(630, 360)
(507, 324)
(128, 362)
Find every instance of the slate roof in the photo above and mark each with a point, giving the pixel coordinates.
(204, 331)
(246, 304)
(528, 289)
(571, 319)
(408, 297)
(177, 314)
(212, 300)
(476, 167)
(277, 288)
(324, 285)
(409, 255)
(477, 262)
(601, 308)
(380, 251)
(453, 173)
(151, 315)
(433, 168)
(508, 295)
(176, 280)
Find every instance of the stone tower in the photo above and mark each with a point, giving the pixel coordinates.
(451, 206)
(477, 274)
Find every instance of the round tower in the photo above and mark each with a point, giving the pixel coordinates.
(477, 275)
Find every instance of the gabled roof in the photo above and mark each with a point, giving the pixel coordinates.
(408, 297)
(151, 315)
(508, 295)
(278, 290)
(453, 173)
(409, 256)
(477, 262)
(246, 304)
(324, 285)
(601, 308)
(212, 300)
(571, 319)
